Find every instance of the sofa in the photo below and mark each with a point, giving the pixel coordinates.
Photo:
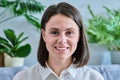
(7, 73)
(109, 72)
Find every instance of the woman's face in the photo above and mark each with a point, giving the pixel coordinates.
(61, 36)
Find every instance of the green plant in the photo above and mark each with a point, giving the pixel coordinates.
(12, 44)
(26, 8)
(105, 30)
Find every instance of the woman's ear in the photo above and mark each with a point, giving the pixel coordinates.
(43, 34)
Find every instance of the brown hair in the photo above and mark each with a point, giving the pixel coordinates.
(81, 55)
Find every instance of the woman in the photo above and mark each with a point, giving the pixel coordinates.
(63, 49)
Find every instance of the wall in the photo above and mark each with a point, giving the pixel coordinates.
(21, 25)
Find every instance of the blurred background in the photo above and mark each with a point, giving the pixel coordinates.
(97, 53)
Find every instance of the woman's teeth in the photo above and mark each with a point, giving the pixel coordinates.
(61, 48)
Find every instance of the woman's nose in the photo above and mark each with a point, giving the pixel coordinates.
(62, 39)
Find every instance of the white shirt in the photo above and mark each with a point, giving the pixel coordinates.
(38, 72)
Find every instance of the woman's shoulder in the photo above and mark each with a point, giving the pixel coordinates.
(26, 73)
(91, 72)
(31, 69)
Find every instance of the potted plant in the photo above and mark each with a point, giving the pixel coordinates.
(1, 60)
(12, 47)
(104, 30)
(16, 8)
(26, 8)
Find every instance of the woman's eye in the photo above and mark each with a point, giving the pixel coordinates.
(69, 33)
(54, 32)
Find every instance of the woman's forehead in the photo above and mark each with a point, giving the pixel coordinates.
(61, 21)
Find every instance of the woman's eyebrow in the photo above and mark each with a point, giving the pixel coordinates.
(59, 30)
(70, 29)
(54, 29)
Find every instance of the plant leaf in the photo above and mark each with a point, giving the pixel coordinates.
(23, 51)
(10, 35)
(19, 42)
(5, 43)
(33, 20)
(27, 6)
(5, 3)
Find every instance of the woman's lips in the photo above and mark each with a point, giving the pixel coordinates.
(61, 48)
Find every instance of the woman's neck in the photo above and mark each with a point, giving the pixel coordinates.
(59, 65)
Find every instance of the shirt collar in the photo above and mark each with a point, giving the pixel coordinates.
(73, 70)
(45, 72)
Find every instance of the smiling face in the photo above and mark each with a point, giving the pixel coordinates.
(61, 36)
